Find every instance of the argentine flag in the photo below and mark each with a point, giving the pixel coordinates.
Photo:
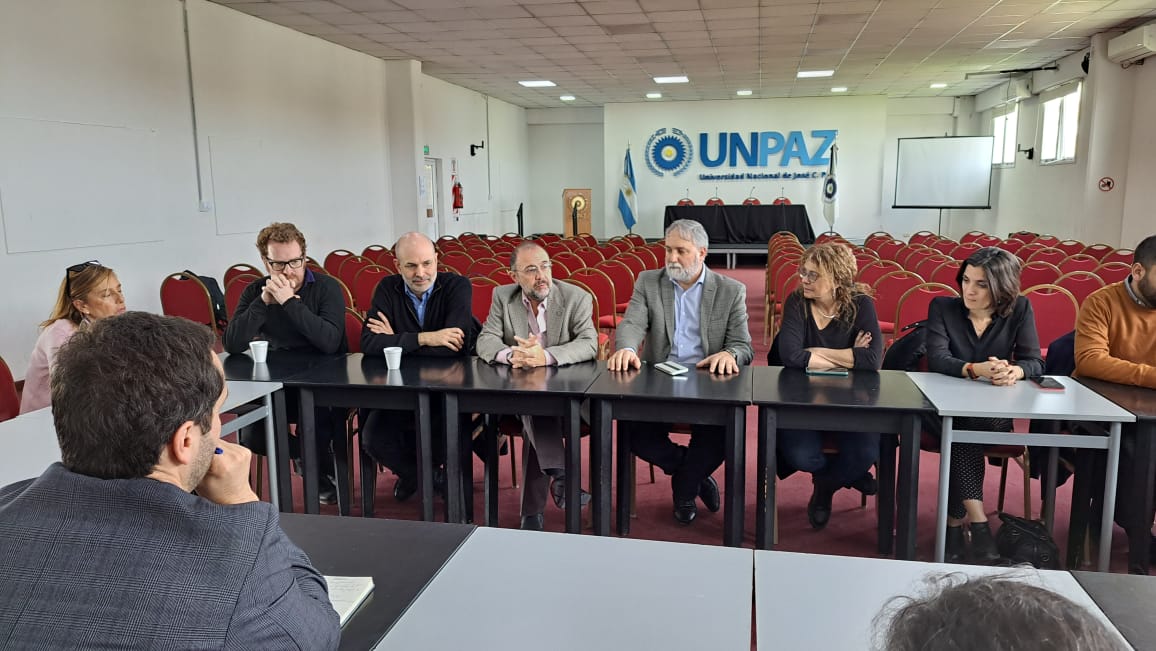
(627, 201)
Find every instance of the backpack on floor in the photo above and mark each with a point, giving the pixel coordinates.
(1027, 541)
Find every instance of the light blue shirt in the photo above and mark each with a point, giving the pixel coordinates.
(686, 346)
(420, 303)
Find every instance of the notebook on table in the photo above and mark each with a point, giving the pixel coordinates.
(347, 592)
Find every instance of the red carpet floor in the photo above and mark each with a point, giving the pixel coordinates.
(851, 531)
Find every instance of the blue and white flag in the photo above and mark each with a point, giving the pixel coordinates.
(829, 189)
(627, 201)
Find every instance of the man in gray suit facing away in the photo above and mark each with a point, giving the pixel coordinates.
(110, 550)
(531, 324)
(687, 314)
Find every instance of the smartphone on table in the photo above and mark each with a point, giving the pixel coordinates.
(1047, 383)
(838, 372)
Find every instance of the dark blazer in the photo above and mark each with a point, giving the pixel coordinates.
(450, 306)
(140, 564)
(315, 322)
(952, 342)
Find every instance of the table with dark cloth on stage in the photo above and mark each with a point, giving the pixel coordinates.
(746, 224)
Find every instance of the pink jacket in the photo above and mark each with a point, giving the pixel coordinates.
(37, 394)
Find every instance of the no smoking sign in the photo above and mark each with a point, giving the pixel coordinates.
(1107, 183)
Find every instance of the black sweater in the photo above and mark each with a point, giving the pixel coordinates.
(952, 342)
(314, 322)
(799, 332)
(450, 306)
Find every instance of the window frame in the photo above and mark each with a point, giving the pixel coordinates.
(1008, 109)
(1060, 94)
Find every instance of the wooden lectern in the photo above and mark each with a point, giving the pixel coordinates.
(575, 198)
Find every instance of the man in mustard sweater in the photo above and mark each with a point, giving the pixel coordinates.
(1116, 342)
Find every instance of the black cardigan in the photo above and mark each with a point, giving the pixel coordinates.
(952, 342)
(315, 322)
(799, 332)
(450, 306)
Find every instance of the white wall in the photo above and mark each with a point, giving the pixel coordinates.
(1139, 219)
(565, 152)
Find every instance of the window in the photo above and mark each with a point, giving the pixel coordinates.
(1003, 128)
(1060, 123)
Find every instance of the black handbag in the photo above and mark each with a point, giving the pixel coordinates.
(1027, 541)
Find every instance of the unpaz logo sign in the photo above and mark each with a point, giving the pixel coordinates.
(670, 151)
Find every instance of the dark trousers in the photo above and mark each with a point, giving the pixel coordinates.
(390, 437)
(327, 423)
(803, 450)
(686, 465)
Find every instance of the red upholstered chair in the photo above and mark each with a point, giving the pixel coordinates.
(589, 239)
(333, 261)
(572, 261)
(1078, 262)
(1080, 284)
(346, 293)
(621, 244)
(944, 245)
(878, 237)
(388, 261)
(828, 236)
(241, 269)
(447, 244)
(1027, 237)
(1039, 273)
(923, 237)
(575, 243)
(558, 270)
(353, 325)
(590, 255)
(1127, 256)
(603, 289)
(373, 252)
(914, 255)
(234, 288)
(1055, 310)
(623, 279)
(988, 240)
(786, 281)
(927, 267)
(479, 252)
(312, 265)
(888, 250)
(964, 250)
(864, 258)
(365, 284)
(349, 268)
(1028, 250)
(549, 237)
(469, 239)
(603, 338)
(502, 249)
(632, 262)
(971, 236)
(1011, 246)
(554, 248)
(484, 267)
(1048, 254)
(1047, 240)
(888, 290)
(9, 399)
(512, 238)
(945, 273)
(483, 296)
(459, 261)
(635, 239)
(1113, 272)
(186, 296)
(1098, 251)
(912, 305)
(1071, 247)
(875, 270)
(659, 251)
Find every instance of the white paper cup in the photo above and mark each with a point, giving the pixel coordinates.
(259, 350)
(393, 358)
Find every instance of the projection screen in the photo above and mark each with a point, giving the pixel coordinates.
(949, 172)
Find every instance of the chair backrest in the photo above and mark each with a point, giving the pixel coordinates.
(601, 285)
(447, 244)
(1078, 262)
(239, 269)
(314, 266)
(911, 257)
(1071, 247)
(333, 261)
(1055, 310)
(559, 270)
(863, 259)
(1047, 240)
(987, 240)
(647, 256)
(632, 262)
(929, 265)
(888, 250)
(1039, 272)
(373, 251)
(482, 297)
(1080, 284)
(1113, 272)
(659, 251)
(927, 238)
(1011, 246)
(1048, 254)
(388, 260)
(635, 239)
(186, 296)
(365, 284)
(1028, 250)
(621, 276)
(828, 236)
(234, 287)
(593, 297)
(620, 243)
(890, 288)
(350, 267)
(877, 236)
(353, 325)
(459, 261)
(572, 261)
(875, 270)
(502, 249)
(9, 399)
(549, 237)
(1127, 256)
(346, 293)
(484, 267)
(1097, 251)
(945, 273)
(912, 305)
(971, 236)
(944, 245)
(575, 243)
(964, 250)
(479, 252)
(589, 239)
(590, 255)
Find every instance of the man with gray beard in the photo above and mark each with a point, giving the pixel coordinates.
(688, 314)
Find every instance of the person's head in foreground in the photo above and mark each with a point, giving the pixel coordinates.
(1144, 270)
(990, 613)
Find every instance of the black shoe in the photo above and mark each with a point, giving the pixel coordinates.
(708, 493)
(439, 482)
(326, 491)
(404, 488)
(558, 492)
(685, 512)
(953, 550)
(983, 549)
(297, 467)
(866, 485)
(819, 507)
(533, 522)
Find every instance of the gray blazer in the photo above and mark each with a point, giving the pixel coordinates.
(569, 324)
(650, 315)
(140, 564)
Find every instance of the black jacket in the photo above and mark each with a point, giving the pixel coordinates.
(450, 306)
(315, 322)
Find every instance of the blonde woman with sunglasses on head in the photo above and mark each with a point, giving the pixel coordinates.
(89, 292)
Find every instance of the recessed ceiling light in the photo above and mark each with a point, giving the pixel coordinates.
(654, 96)
(839, 89)
(746, 92)
(567, 98)
(939, 85)
(808, 74)
(543, 83)
(677, 79)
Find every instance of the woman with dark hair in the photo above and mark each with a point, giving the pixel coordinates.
(89, 292)
(830, 322)
(988, 334)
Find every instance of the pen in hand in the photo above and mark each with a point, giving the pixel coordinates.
(218, 451)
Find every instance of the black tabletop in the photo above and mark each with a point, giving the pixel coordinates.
(882, 390)
(358, 370)
(568, 380)
(1138, 400)
(402, 556)
(741, 224)
(1127, 601)
(652, 384)
(280, 366)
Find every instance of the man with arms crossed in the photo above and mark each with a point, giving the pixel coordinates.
(1116, 342)
(293, 309)
(690, 315)
(108, 548)
(426, 314)
(533, 323)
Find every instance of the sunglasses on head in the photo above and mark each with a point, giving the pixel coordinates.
(75, 269)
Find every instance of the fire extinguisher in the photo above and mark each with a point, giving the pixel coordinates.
(459, 196)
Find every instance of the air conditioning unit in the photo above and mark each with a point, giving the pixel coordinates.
(1134, 45)
(1020, 88)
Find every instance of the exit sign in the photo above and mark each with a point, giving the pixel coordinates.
(425, 150)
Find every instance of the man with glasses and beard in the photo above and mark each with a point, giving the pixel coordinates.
(688, 314)
(293, 309)
(1116, 342)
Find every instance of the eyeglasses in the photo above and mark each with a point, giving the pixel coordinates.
(533, 270)
(808, 276)
(278, 265)
(75, 269)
